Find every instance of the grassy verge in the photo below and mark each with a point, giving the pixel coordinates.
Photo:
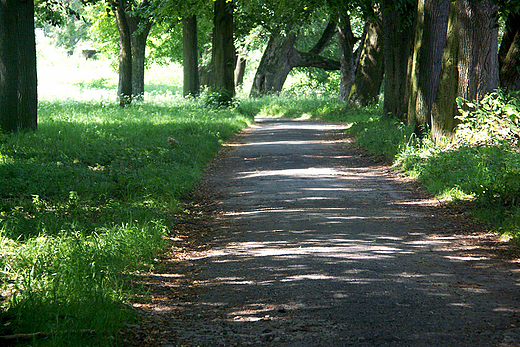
(88, 199)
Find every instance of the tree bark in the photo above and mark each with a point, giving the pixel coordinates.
(240, 70)
(470, 62)
(430, 38)
(223, 49)
(139, 29)
(398, 41)
(280, 57)
(346, 57)
(124, 92)
(370, 69)
(190, 54)
(509, 54)
(18, 79)
(275, 65)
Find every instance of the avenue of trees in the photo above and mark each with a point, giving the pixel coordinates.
(424, 54)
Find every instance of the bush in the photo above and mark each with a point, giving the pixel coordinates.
(494, 121)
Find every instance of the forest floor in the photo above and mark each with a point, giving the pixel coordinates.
(297, 238)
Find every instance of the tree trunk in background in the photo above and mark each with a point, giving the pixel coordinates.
(240, 70)
(124, 92)
(280, 57)
(370, 69)
(470, 62)
(509, 54)
(18, 80)
(139, 30)
(346, 57)
(398, 42)
(190, 54)
(431, 26)
(223, 51)
(275, 65)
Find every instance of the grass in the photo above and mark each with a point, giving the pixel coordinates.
(89, 199)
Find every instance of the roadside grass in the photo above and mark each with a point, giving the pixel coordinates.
(89, 199)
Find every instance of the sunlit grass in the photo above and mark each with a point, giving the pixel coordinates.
(91, 196)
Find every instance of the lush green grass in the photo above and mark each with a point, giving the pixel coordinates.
(89, 198)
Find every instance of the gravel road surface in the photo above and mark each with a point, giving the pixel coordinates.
(315, 244)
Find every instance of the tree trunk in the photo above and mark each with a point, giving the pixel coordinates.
(240, 70)
(280, 57)
(190, 54)
(125, 55)
(509, 54)
(275, 65)
(430, 38)
(139, 29)
(370, 69)
(18, 81)
(223, 49)
(398, 41)
(346, 57)
(470, 62)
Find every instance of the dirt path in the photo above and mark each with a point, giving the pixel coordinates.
(314, 244)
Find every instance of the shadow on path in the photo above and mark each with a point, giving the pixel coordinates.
(317, 245)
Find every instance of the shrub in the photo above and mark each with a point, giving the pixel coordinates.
(492, 121)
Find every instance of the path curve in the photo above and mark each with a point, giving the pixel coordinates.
(315, 244)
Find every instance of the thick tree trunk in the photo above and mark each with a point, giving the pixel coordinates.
(346, 57)
(139, 29)
(370, 69)
(125, 55)
(18, 81)
(398, 42)
(470, 62)
(223, 51)
(275, 65)
(509, 54)
(190, 54)
(430, 38)
(280, 57)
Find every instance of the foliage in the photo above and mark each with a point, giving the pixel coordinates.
(482, 165)
(492, 121)
(219, 99)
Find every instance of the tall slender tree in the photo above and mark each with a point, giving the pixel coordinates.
(223, 50)
(124, 91)
(190, 54)
(18, 81)
(398, 40)
(509, 53)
